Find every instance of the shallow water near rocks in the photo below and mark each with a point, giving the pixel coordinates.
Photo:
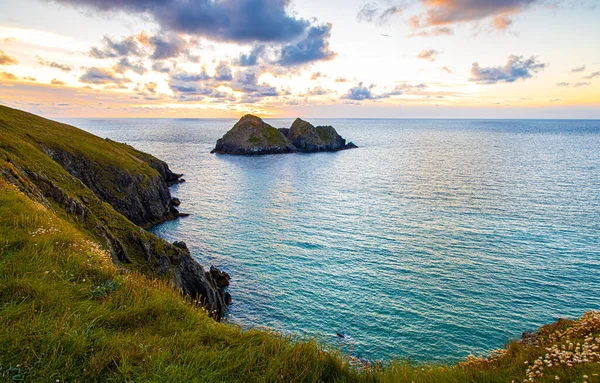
(433, 240)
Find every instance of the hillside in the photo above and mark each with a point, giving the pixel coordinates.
(87, 295)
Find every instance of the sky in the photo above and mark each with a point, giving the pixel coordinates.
(307, 58)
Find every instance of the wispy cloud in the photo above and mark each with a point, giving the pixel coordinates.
(54, 64)
(593, 75)
(100, 76)
(428, 54)
(515, 69)
(6, 59)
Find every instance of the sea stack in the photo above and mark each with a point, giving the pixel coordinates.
(251, 135)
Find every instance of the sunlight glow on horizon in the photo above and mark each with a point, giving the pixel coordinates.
(363, 69)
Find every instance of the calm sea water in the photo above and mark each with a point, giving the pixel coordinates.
(434, 239)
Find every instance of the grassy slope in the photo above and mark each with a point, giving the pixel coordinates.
(56, 324)
(67, 313)
(21, 158)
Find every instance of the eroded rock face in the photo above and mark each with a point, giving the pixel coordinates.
(304, 136)
(251, 135)
(144, 198)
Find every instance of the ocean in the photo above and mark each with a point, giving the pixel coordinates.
(434, 240)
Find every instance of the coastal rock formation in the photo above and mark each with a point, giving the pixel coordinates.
(107, 190)
(305, 137)
(141, 196)
(251, 135)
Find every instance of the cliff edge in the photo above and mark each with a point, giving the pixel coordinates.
(109, 190)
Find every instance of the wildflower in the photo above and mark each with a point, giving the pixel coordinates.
(556, 378)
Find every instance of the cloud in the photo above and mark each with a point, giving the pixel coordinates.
(440, 13)
(318, 91)
(316, 76)
(251, 58)
(446, 12)
(428, 54)
(562, 84)
(123, 65)
(361, 92)
(223, 72)
(501, 23)
(341, 79)
(516, 68)
(161, 67)
(101, 77)
(247, 82)
(440, 31)
(446, 69)
(151, 87)
(578, 69)
(56, 82)
(53, 64)
(169, 46)
(593, 75)
(373, 13)
(191, 77)
(6, 59)
(314, 46)
(8, 76)
(580, 84)
(225, 20)
(128, 46)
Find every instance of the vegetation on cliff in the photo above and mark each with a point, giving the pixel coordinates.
(70, 311)
(105, 189)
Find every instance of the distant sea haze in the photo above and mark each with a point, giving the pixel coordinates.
(435, 239)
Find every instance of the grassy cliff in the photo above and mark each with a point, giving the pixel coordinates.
(70, 311)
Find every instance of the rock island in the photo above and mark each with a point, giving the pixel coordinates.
(251, 135)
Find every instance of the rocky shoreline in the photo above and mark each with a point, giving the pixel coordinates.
(251, 135)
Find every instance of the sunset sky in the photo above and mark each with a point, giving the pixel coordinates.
(280, 58)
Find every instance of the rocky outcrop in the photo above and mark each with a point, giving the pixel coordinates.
(251, 135)
(107, 190)
(141, 196)
(304, 136)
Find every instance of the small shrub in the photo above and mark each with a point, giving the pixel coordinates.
(104, 289)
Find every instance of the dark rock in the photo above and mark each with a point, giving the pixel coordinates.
(143, 198)
(221, 278)
(308, 138)
(175, 202)
(180, 244)
(183, 215)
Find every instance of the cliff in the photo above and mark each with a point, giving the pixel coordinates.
(108, 189)
(251, 135)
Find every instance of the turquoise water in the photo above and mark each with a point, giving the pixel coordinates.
(434, 239)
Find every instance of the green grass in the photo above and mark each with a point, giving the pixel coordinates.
(53, 324)
(68, 313)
